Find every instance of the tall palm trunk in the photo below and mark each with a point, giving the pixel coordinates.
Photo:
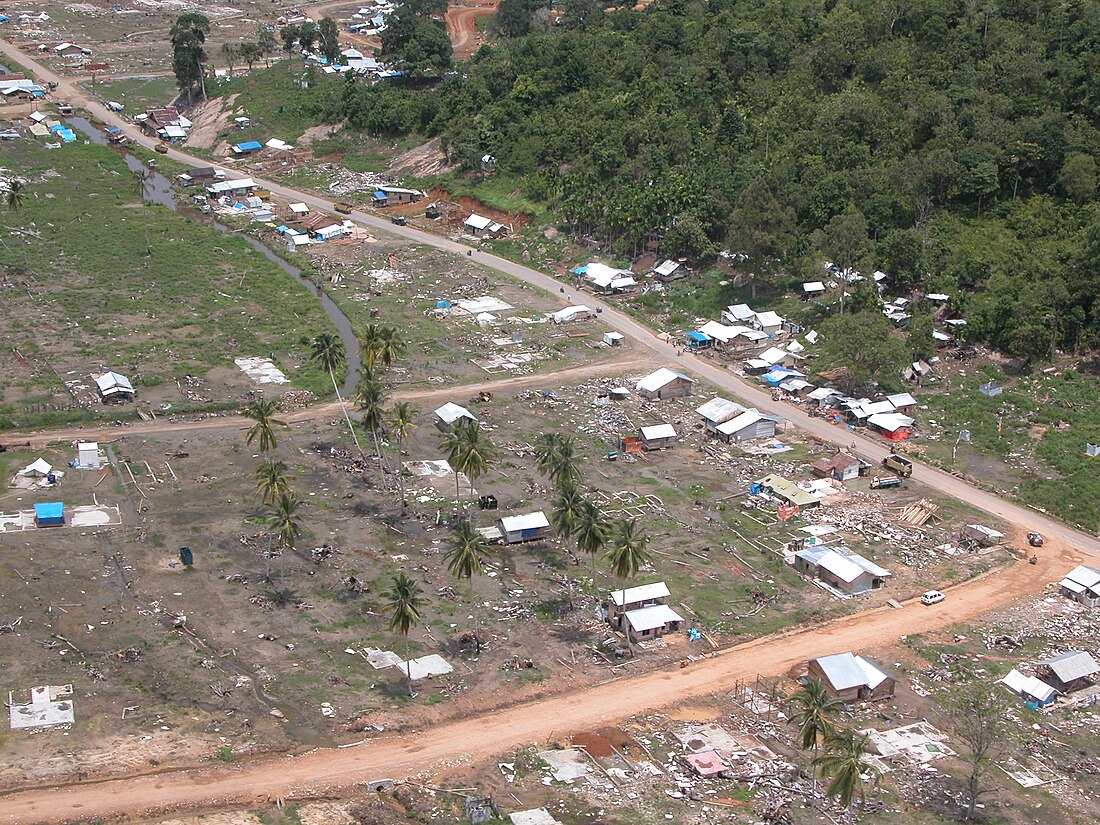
(344, 408)
(378, 453)
(400, 475)
(408, 667)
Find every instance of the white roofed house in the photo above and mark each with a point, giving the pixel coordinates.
(571, 314)
(657, 436)
(1082, 584)
(739, 314)
(902, 402)
(718, 411)
(667, 269)
(114, 388)
(664, 384)
(748, 426)
(527, 527)
(607, 278)
(851, 574)
(1069, 672)
(769, 322)
(449, 413)
(1035, 692)
(813, 289)
(640, 611)
(851, 678)
(482, 227)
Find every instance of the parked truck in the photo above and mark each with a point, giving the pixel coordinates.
(343, 208)
(898, 464)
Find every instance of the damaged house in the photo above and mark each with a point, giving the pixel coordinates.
(851, 678)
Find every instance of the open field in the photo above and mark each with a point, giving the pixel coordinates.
(137, 94)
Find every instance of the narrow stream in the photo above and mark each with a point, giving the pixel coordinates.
(159, 191)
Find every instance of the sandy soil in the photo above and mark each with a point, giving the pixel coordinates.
(462, 26)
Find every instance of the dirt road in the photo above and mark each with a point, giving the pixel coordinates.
(462, 26)
(328, 772)
(319, 412)
(479, 737)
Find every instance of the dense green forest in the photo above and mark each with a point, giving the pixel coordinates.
(952, 143)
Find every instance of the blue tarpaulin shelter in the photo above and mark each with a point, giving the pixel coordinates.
(49, 514)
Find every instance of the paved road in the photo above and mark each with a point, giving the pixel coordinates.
(480, 737)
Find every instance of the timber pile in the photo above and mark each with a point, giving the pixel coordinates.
(919, 513)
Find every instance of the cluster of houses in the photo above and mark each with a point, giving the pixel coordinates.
(248, 148)
(1071, 675)
(166, 124)
(63, 49)
(611, 280)
(53, 131)
(374, 18)
(18, 88)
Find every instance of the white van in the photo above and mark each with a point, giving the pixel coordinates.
(932, 597)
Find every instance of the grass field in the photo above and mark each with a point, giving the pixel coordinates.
(83, 295)
(137, 94)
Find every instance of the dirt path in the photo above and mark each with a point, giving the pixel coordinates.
(479, 737)
(462, 26)
(329, 772)
(440, 395)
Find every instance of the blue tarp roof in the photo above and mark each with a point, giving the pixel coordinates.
(67, 135)
(700, 337)
(49, 509)
(249, 146)
(380, 195)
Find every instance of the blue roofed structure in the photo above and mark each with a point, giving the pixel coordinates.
(49, 514)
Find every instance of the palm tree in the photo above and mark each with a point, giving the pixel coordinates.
(15, 195)
(626, 556)
(563, 518)
(142, 183)
(368, 344)
(402, 422)
(285, 520)
(404, 603)
(555, 458)
(468, 451)
(843, 763)
(328, 351)
(591, 532)
(389, 347)
(464, 560)
(371, 399)
(272, 481)
(262, 411)
(814, 718)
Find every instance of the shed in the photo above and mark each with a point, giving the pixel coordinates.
(449, 413)
(633, 598)
(842, 466)
(985, 536)
(851, 574)
(1082, 584)
(658, 436)
(1070, 671)
(49, 514)
(87, 455)
(787, 491)
(892, 426)
(1035, 692)
(114, 387)
(298, 209)
(748, 426)
(613, 339)
(718, 411)
(527, 527)
(852, 678)
(482, 227)
(570, 314)
(663, 384)
(652, 622)
(813, 289)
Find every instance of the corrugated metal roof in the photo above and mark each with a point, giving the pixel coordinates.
(112, 382)
(641, 593)
(719, 410)
(1073, 665)
(844, 671)
(658, 431)
(660, 378)
(742, 312)
(1028, 686)
(1084, 576)
(451, 412)
(652, 617)
(527, 521)
(745, 419)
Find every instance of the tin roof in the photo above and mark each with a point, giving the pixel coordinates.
(641, 593)
(527, 521)
(1073, 665)
(652, 617)
(844, 671)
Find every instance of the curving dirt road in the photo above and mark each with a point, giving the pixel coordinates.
(325, 771)
(462, 26)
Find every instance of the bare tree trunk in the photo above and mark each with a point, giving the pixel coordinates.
(344, 408)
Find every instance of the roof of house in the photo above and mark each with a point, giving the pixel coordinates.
(528, 521)
(784, 488)
(1028, 685)
(299, 208)
(839, 461)
(740, 422)
(700, 337)
(111, 382)
(742, 312)
(569, 313)
(845, 568)
(813, 286)
(49, 509)
(901, 399)
(721, 332)
(658, 431)
(988, 532)
(596, 272)
(1081, 578)
(719, 409)
(451, 412)
(1073, 665)
(821, 393)
(652, 617)
(890, 422)
(478, 222)
(640, 593)
(667, 268)
(661, 378)
(844, 671)
(773, 355)
(232, 185)
(769, 319)
(248, 146)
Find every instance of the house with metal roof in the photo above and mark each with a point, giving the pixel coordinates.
(842, 466)
(652, 622)
(850, 574)
(1035, 692)
(1069, 672)
(571, 314)
(718, 411)
(786, 490)
(114, 388)
(851, 678)
(739, 314)
(748, 426)
(482, 227)
(449, 413)
(657, 436)
(526, 527)
(1082, 584)
(606, 278)
(664, 384)
(640, 611)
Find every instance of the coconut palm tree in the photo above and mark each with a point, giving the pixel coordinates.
(404, 602)
(626, 555)
(555, 458)
(468, 451)
(403, 417)
(262, 411)
(371, 400)
(327, 350)
(468, 547)
(814, 718)
(591, 532)
(843, 763)
(272, 480)
(285, 521)
(369, 339)
(15, 195)
(563, 518)
(143, 182)
(388, 348)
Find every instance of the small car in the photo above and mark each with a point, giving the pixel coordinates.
(1035, 539)
(932, 597)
